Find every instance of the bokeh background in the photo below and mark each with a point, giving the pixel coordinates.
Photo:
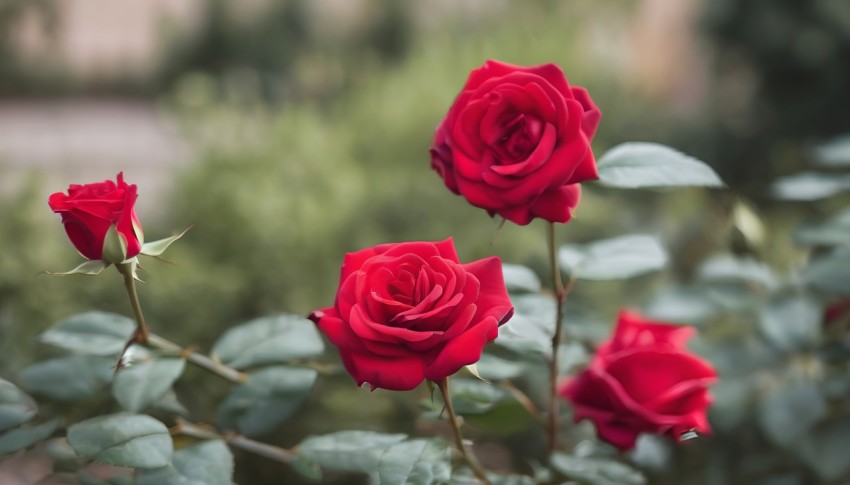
(292, 131)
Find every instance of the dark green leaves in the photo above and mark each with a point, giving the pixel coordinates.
(90, 333)
(596, 470)
(792, 323)
(810, 186)
(203, 463)
(270, 396)
(831, 272)
(16, 407)
(24, 437)
(833, 232)
(415, 462)
(137, 386)
(642, 165)
(616, 258)
(126, 440)
(520, 279)
(348, 450)
(268, 340)
(69, 378)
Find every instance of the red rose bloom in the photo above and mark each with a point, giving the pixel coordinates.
(88, 211)
(411, 311)
(516, 142)
(643, 380)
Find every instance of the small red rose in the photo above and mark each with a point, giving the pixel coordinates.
(516, 142)
(411, 311)
(643, 380)
(89, 211)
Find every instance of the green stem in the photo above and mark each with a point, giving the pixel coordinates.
(276, 453)
(561, 292)
(470, 460)
(126, 270)
(199, 360)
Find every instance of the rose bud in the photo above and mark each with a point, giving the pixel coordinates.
(100, 220)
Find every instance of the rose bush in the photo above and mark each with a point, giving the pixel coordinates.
(89, 211)
(411, 311)
(516, 142)
(643, 380)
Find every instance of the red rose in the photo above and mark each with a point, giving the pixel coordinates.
(643, 380)
(88, 212)
(411, 311)
(516, 142)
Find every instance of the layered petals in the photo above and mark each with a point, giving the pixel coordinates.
(410, 311)
(514, 137)
(88, 211)
(643, 380)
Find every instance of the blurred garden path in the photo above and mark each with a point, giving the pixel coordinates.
(87, 140)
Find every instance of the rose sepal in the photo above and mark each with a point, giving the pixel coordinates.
(90, 267)
(114, 246)
(156, 248)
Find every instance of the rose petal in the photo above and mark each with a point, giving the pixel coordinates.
(394, 374)
(463, 350)
(557, 205)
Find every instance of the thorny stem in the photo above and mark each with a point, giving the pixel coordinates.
(470, 460)
(272, 452)
(126, 270)
(561, 292)
(199, 360)
(143, 337)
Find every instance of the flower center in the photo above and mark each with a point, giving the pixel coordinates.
(520, 136)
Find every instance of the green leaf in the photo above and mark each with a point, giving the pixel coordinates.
(677, 304)
(171, 404)
(415, 462)
(831, 272)
(825, 449)
(834, 152)
(90, 267)
(488, 407)
(810, 186)
(833, 232)
(787, 413)
(127, 440)
(725, 268)
(268, 340)
(520, 279)
(156, 248)
(16, 407)
(617, 258)
(596, 471)
(268, 398)
(69, 378)
(792, 323)
(204, 463)
(495, 368)
(642, 165)
(20, 438)
(90, 333)
(531, 328)
(139, 385)
(359, 451)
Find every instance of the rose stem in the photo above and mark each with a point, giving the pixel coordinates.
(199, 360)
(143, 337)
(561, 293)
(276, 453)
(443, 385)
